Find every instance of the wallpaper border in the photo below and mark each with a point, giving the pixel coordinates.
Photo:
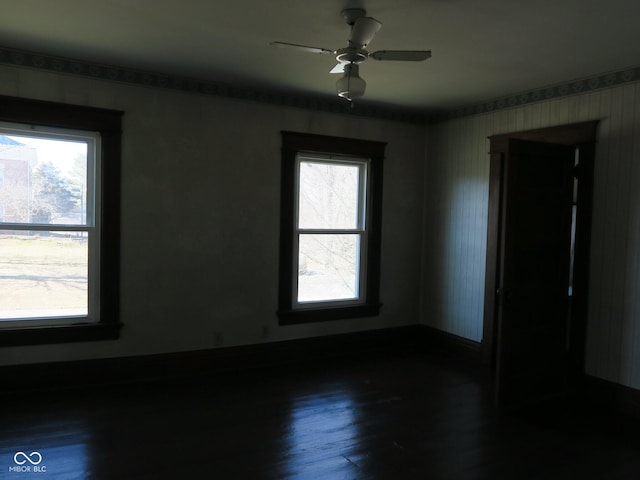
(26, 59)
(574, 87)
(113, 73)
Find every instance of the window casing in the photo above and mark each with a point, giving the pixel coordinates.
(330, 228)
(69, 230)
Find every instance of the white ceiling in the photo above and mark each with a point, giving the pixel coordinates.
(482, 49)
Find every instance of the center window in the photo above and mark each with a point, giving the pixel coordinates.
(331, 203)
(331, 229)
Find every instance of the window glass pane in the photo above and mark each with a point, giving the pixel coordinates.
(328, 267)
(43, 180)
(328, 195)
(43, 274)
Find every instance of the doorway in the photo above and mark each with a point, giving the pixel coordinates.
(538, 243)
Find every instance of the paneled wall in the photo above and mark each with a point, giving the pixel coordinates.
(201, 213)
(201, 209)
(456, 180)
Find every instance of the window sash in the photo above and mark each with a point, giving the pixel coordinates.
(363, 166)
(359, 279)
(360, 231)
(90, 225)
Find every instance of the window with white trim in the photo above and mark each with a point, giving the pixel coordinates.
(50, 231)
(330, 228)
(59, 230)
(330, 234)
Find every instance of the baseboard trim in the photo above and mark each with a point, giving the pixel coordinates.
(310, 351)
(316, 351)
(612, 396)
(449, 343)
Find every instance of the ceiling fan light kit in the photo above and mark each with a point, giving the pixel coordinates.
(351, 85)
(349, 58)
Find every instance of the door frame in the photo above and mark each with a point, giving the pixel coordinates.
(582, 136)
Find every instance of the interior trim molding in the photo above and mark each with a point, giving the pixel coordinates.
(131, 76)
(434, 339)
(327, 103)
(193, 364)
(180, 365)
(316, 351)
(612, 396)
(551, 92)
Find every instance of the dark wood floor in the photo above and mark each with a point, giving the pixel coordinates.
(387, 415)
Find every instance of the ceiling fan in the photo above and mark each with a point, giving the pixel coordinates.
(349, 58)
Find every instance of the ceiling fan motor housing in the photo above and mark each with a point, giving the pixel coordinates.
(351, 55)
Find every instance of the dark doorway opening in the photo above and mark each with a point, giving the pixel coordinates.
(534, 332)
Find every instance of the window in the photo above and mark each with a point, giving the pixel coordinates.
(330, 228)
(59, 227)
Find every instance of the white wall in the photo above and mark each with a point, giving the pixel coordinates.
(456, 182)
(200, 217)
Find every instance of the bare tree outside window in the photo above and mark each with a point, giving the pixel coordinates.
(330, 217)
(330, 228)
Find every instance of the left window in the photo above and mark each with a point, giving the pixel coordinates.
(59, 216)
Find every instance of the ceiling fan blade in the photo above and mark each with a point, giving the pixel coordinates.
(401, 55)
(363, 31)
(339, 68)
(304, 48)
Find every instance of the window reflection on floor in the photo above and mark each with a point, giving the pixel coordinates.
(461, 420)
(56, 452)
(323, 431)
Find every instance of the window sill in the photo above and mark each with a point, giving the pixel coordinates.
(14, 337)
(293, 317)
